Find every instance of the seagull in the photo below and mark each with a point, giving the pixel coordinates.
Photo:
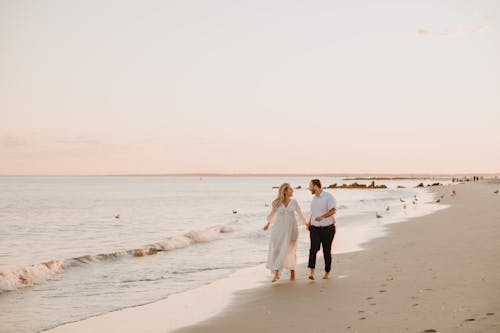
(117, 216)
(496, 192)
(401, 200)
(416, 199)
(235, 212)
(388, 208)
(378, 215)
(404, 206)
(414, 202)
(438, 200)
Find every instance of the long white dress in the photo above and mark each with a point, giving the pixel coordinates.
(284, 236)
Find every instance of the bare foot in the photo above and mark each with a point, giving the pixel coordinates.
(311, 274)
(276, 276)
(292, 275)
(326, 276)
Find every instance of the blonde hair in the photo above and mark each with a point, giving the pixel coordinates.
(280, 199)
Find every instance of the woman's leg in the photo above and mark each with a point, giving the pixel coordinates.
(276, 275)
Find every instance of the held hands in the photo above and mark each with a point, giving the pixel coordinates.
(319, 218)
(308, 225)
(266, 227)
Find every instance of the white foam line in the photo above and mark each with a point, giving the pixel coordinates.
(176, 311)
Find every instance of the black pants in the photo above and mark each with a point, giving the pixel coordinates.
(321, 236)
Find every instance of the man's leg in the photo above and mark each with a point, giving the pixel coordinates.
(315, 243)
(327, 236)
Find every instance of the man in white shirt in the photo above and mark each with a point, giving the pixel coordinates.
(321, 226)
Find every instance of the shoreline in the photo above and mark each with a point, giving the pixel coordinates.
(163, 315)
(436, 273)
(249, 278)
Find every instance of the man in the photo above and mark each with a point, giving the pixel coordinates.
(321, 226)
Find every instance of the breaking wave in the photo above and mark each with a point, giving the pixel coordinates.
(31, 275)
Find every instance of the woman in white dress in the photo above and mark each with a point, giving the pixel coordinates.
(285, 233)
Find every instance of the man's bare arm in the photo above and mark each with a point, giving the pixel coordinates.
(327, 214)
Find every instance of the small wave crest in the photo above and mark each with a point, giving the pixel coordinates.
(35, 274)
(29, 275)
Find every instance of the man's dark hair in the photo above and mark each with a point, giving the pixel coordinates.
(316, 182)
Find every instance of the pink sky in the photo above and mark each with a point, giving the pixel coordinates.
(225, 87)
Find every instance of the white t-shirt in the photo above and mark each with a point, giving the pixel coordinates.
(319, 206)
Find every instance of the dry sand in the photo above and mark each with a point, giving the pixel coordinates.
(438, 273)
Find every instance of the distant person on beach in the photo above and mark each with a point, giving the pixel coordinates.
(285, 233)
(321, 226)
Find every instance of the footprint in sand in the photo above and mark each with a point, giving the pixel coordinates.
(382, 291)
(416, 304)
(470, 319)
(430, 330)
(362, 318)
(369, 298)
(373, 304)
(490, 313)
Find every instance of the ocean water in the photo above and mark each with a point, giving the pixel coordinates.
(64, 256)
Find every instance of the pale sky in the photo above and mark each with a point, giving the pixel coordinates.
(120, 87)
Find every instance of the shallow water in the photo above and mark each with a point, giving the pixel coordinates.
(64, 256)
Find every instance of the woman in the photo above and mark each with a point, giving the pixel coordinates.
(285, 233)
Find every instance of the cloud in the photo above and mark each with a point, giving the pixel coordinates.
(41, 140)
(12, 141)
(76, 140)
(451, 32)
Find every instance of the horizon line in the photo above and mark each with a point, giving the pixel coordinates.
(271, 174)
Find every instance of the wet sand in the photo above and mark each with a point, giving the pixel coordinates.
(437, 273)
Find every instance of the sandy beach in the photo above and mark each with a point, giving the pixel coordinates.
(437, 273)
